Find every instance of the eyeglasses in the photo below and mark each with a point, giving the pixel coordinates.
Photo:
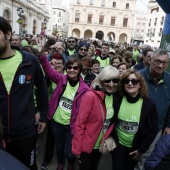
(133, 81)
(71, 41)
(83, 49)
(158, 62)
(74, 68)
(115, 80)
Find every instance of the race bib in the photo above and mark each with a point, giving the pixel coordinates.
(65, 104)
(106, 125)
(129, 127)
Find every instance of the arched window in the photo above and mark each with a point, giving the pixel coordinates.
(7, 15)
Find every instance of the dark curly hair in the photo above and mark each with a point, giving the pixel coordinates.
(143, 91)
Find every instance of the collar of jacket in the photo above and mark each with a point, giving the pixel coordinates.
(150, 78)
(99, 93)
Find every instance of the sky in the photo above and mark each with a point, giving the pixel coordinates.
(140, 5)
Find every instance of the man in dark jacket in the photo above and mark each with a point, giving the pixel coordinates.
(82, 52)
(71, 48)
(158, 83)
(20, 72)
(146, 60)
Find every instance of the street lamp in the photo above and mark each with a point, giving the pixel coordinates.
(20, 13)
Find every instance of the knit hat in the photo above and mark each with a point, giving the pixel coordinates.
(81, 44)
(57, 56)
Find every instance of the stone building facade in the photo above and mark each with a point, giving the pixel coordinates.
(155, 24)
(58, 16)
(110, 20)
(139, 28)
(33, 15)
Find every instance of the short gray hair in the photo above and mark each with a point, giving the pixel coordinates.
(107, 73)
(159, 51)
(17, 35)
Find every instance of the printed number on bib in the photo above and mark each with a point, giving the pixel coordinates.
(65, 104)
(129, 127)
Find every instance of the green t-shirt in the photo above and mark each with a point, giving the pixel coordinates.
(51, 88)
(71, 51)
(109, 115)
(135, 54)
(63, 112)
(103, 63)
(129, 117)
(24, 42)
(8, 67)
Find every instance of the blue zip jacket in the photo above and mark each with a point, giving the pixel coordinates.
(17, 108)
(160, 93)
(162, 149)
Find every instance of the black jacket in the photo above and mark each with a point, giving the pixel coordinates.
(148, 124)
(17, 108)
(89, 78)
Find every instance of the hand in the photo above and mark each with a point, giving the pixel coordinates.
(136, 156)
(41, 127)
(166, 131)
(41, 41)
(57, 48)
(37, 117)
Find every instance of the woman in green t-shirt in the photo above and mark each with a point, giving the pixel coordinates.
(95, 118)
(136, 121)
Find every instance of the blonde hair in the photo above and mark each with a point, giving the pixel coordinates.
(107, 73)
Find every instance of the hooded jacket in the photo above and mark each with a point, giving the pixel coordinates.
(61, 81)
(89, 122)
(17, 108)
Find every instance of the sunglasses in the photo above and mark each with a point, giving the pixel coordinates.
(71, 41)
(133, 81)
(115, 80)
(83, 49)
(74, 68)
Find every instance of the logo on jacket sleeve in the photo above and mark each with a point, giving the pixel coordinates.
(22, 79)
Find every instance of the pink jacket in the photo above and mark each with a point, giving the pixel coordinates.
(61, 81)
(89, 122)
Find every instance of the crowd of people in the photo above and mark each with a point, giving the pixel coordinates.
(83, 92)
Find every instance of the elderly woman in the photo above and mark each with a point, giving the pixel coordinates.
(135, 120)
(64, 106)
(95, 114)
